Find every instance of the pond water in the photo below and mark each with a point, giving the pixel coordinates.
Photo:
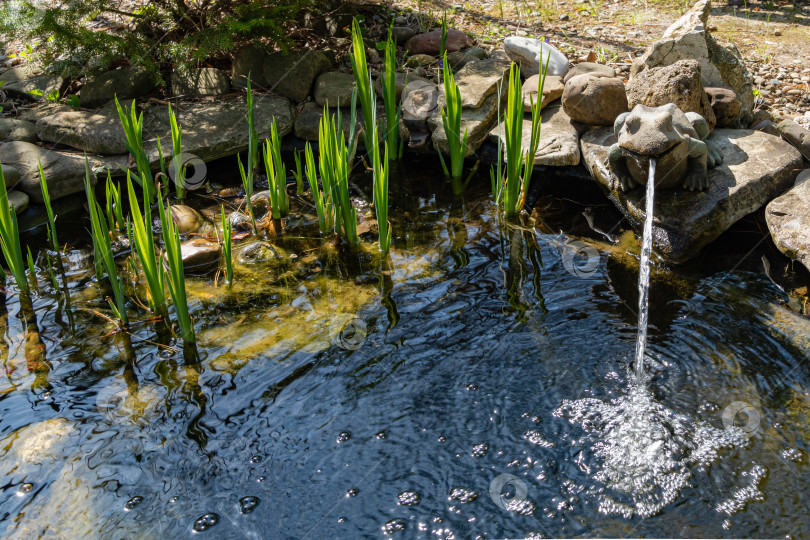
(480, 386)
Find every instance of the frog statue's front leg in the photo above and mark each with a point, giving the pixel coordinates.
(697, 175)
(620, 179)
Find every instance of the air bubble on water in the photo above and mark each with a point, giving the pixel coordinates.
(261, 479)
(25, 488)
(535, 437)
(343, 436)
(341, 519)
(248, 504)
(462, 495)
(380, 435)
(205, 522)
(408, 498)
(645, 450)
(524, 507)
(480, 450)
(742, 496)
(393, 526)
(351, 492)
(256, 459)
(794, 454)
(133, 502)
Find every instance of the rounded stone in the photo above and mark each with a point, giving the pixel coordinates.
(594, 100)
(725, 104)
(186, 219)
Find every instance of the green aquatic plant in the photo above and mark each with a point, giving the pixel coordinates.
(10, 237)
(443, 46)
(362, 79)
(103, 245)
(276, 174)
(175, 275)
(451, 119)
(335, 170)
(299, 173)
(177, 150)
(132, 123)
(140, 232)
(534, 140)
(32, 270)
(393, 112)
(513, 135)
(322, 199)
(380, 171)
(227, 247)
(253, 151)
(46, 199)
(115, 209)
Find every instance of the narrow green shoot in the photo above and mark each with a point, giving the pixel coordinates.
(393, 112)
(140, 231)
(103, 247)
(133, 130)
(361, 78)
(10, 238)
(451, 119)
(335, 171)
(253, 150)
(299, 174)
(32, 270)
(177, 161)
(513, 135)
(442, 47)
(321, 199)
(115, 209)
(227, 247)
(537, 120)
(175, 275)
(46, 197)
(380, 173)
(276, 174)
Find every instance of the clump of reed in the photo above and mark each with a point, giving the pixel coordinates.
(175, 274)
(132, 123)
(335, 166)
(393, 111)
(451, 120)
(227, 246)
(276, 174)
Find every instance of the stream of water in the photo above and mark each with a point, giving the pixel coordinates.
(644, 273)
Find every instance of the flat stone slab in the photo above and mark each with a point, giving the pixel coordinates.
(788, 218)
(84, 130)
(479, 79)
(64, 173)
(41, 83)
(477, 122)
(217, 129)
(17, 130)
(559, 140)
(757, 167)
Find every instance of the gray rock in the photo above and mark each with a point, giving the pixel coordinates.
(479, 79)
(308, 121)
(530, 53)
(688, 38)
(552, 90)
(795, 135)
(788, 219)
(402, 34)
(41, 83)
(678, 83)
(293, 74)
(420, 103)
(18, 201)
(477, 122)
(756, 168)
(430, 42)
(249, 61)
(589, 67)
(64, 173)
(419, 60)
(559, 140)
(20, 73)
(459, 59)
(41, 110)
(197, 82)
(11, 176)
(594, 100)
(725, 104)
(84, 130)
(335, 89)
(216, 129)
(126, 83)
(401, 80)
(17, 130)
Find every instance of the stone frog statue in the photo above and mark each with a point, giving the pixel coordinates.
(676, 140)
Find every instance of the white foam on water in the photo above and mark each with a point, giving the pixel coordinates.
(645, 451)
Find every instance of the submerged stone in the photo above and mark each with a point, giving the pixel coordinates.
(199, 255)
(788, 218)
(756, 168)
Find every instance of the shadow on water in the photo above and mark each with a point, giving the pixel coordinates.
(474, 383)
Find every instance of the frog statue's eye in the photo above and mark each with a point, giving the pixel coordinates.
(633, 124)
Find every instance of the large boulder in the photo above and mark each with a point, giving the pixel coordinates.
(679, 83)
(64, 173)
(126, 83)
(35, 88)
(293, 74)
(531, 52)
(559, 139)
(11, 175)
(756, 168)
(197, 82)
(430, 42)
(249, 62)
(688, 38)
(17, 130)
(334, 89)
(594, 100)
(788, 218)
(85, 130)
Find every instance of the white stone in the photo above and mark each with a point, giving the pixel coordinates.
(530, 52)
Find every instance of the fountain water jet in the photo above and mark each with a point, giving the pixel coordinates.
(644, 274)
